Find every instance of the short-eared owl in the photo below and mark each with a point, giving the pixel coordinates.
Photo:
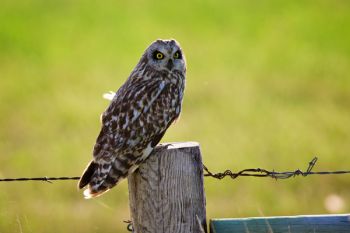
(139, 114)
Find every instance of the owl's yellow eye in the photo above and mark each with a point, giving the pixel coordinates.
(159, 56)
(177, 55)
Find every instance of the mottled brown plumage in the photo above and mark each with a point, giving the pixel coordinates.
(139, 114)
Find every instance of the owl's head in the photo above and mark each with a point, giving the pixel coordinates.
(165, 55)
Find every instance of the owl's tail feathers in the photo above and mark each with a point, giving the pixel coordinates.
(89, 179)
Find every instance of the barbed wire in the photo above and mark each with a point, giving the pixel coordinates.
(253, 172)
(258, 172)
(45, 178)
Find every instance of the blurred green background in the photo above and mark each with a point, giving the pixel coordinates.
(268, 86)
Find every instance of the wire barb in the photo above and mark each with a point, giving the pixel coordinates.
(129, 227)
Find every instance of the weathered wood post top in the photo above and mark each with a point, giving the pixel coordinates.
(166, 192)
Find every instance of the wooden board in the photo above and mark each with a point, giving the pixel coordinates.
(288, 224)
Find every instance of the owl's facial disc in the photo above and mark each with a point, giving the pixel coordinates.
(166, 55)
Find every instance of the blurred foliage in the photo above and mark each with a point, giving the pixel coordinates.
(267, 86)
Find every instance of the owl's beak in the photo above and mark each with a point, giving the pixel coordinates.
(170, 65)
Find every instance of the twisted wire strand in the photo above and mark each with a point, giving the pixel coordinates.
(45, 178)
(258, 172)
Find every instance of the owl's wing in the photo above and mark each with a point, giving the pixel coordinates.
(119, 119)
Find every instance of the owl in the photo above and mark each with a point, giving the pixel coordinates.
(138, 116)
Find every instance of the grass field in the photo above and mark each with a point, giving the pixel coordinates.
(268, 85)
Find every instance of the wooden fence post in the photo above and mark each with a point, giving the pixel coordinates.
(166, 193)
